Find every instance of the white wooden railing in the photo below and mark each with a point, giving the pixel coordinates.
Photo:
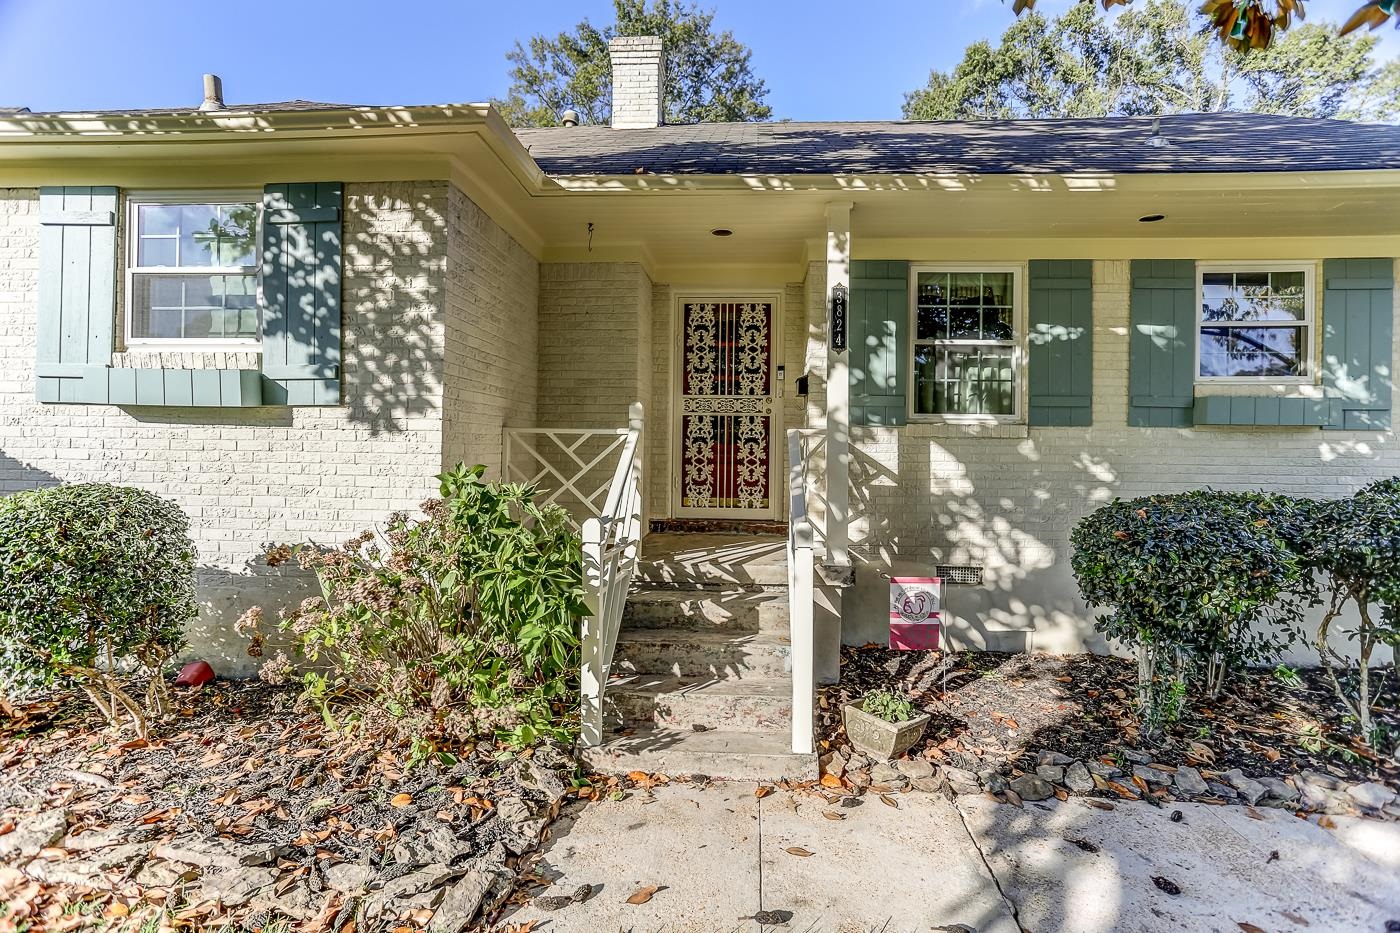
(801, 563)
(569, 467)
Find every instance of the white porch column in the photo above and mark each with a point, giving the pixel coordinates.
(838, 393)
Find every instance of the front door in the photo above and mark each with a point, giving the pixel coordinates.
(726, 412)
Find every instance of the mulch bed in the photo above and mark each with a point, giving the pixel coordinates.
(246, 811)
(989, 709)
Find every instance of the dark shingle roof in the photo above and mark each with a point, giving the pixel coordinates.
(277, 105)
(1216, 142)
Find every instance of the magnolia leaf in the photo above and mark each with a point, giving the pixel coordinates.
(799, 852)
(643, 894)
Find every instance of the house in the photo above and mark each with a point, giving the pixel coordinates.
(939, 343)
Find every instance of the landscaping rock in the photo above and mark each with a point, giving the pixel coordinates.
(1134, 756)
(962, 781)
(436, 845)
(1055, 774)
(1078, 778)
(1153, 775)
(349, 879)
(1323, 793)
(1223, 791)
(1189, 782)
(992, 782)
(1102, 769)
(32, 834)
(1277, 792)
(481, 890)
(236, 886)
(1051, 757)
(1371, 795)
(1248, 788)
(1030, 787)
(886, 773)
(929, 785)
(915, 768)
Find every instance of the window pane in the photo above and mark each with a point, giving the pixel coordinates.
(933, 323)
(1252, 351)
(156, 251)
(996, 288)
(157, 218)
(964, 306)
(204, 235)
(200, 307)
(963, 380)
(1252, 296)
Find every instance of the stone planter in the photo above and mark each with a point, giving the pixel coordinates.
(879, 739)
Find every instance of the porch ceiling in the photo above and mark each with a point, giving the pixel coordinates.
(666, 221)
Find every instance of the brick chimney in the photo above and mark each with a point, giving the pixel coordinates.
(638, 76)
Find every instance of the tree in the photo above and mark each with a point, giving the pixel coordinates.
(1253, 24)
(1155, 58)
(708, 75)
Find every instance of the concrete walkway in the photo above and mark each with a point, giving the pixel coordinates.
(720, 855)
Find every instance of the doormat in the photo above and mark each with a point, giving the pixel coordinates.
(718, 526)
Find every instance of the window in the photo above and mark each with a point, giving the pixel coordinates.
(192, 275)
(966, 357)
(1255, 322)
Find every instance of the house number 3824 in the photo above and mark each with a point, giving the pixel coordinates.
(838, 318)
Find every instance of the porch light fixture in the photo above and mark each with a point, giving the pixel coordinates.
(1151, 218)
(721, 231)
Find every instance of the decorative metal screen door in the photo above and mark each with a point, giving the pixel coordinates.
(726, 409)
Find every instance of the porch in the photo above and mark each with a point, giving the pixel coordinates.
(698, 647)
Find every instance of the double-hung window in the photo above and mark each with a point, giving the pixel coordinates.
(192, 273)
(966, 328)
(1255, 322)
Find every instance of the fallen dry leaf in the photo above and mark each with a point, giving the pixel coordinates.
(762, 790)
(1326, 822)
(889, 801)
(833, 815)
(399, 801)
(1253, 814)
(643, 894)
(799, 851)
(1100, 804)
(831, 780)
(1249, 927)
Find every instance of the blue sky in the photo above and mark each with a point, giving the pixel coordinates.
(822, 59)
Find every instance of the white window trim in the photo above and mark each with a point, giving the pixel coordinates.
(1308, 323)
(193, 196)
(1018, 341)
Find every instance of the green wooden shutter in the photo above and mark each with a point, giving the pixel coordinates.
(1357, 320)
(1161, 343)
(77, 292)
(1061, 343)
(301, 280)
(879, 342)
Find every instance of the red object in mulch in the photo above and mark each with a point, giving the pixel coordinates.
(194, 674)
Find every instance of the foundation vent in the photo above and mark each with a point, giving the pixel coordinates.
(964, 574)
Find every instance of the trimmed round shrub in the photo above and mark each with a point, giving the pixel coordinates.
(1353, 544)
(93, 578)
(1198, 583)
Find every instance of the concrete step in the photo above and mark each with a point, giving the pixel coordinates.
(743, 560)
(726, 608)
(748, 704)
(735, 756)
(685, 653)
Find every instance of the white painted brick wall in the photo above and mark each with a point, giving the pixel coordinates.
(1007, 498)
(493, 293)
(250, 477)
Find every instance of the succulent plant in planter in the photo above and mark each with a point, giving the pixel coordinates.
(884, 725)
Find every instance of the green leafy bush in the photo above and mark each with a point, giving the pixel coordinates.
(93, 578)
(459, 625)
(1199, 583)
(1353, 544)
(891, 707)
